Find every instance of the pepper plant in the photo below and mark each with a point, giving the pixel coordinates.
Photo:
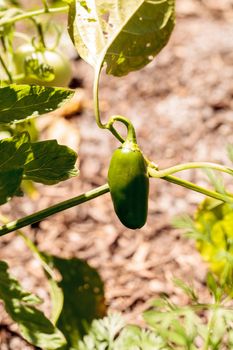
(116, 36)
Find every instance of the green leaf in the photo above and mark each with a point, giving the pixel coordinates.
(126, 35)
(57, 298)
(9, 184)
(18, 102)
(50, 163)
(83, 297)
(55, 291)
(174, 324)
(33, 324)
(111, 333)
(102, 333)
(13, 154)
(133, 337)
(45, 162)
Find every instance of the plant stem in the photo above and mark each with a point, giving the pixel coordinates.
(42, 214)
(166, 175)
(6, 70)
(196, 188)
(46, 6)
(30, 14)
(131, 135)
(40, 34)
(193, 165)
(211, 323)
(96, 96)
(108, 126)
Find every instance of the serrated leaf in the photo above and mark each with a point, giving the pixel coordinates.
(126, 35)
(50, 163)
(102, 333)
(83, 297)
(33, 324)
(133, 337)
(18, 102)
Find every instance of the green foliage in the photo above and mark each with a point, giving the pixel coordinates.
(18, 102)
(45, 162)
(110, 333)
(20, 305)
(212, 229)
(13, 155)
(50, 163)
(169, 326)
(195, 326)
(126, 35)
(77, 296)
(82, 294)
(134, 338)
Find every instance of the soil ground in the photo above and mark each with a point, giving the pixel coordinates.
(181, 105)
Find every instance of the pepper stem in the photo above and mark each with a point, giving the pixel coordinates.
(131, 134)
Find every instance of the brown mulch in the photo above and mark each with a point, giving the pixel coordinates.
(181, 105)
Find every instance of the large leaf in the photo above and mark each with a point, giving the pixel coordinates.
(20, 305)
(83, 297)
(50, 163)
(126, 34)
(18, 102)
(45, 162)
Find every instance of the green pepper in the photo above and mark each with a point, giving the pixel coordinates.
(129, 185)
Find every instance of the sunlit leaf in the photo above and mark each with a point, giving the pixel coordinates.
(20, 305)
(50, 163)
(18, 102)
(126, 35)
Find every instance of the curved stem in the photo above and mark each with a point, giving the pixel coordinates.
(131, 135)
(96, 95)
(42, 214)
(30, 14)
(110, 127)
(196, 188)
(193, 165)
(116, 134)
